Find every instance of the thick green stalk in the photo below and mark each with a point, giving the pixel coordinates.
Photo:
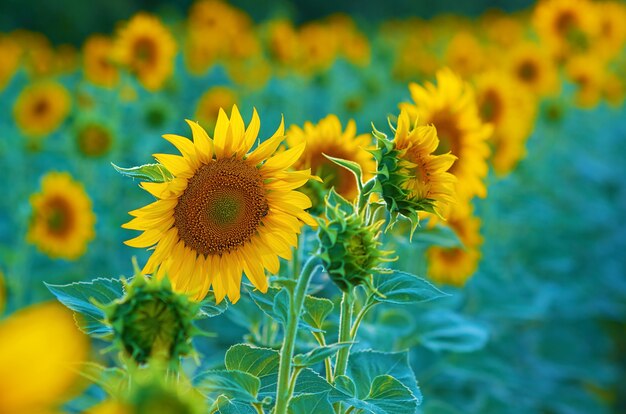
(345, 324)
(296, 301)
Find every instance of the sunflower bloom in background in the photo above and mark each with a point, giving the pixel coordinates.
(93, 139)
(450, 106)
(532, 67)
(454, 266)
(10, 52)
(147, 48)
(226, 211)
(587, 73)
(41, 108)
(98, 65)
(40, 352)
(210, 103)
(328, 137)
(63, 221)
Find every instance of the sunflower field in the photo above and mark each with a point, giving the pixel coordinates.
(256, 208)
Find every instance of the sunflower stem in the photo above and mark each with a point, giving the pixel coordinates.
(296, 301)
(345, 325)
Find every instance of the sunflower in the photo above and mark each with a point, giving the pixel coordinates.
(454, 266)
(41, 108)
(226, 211)
(611, 28)
(529, 64)
(10, 52)
(465, 55)
(97, 62)
(282, 41)
(147, 48)
(566, 27)
(93, 139)
(62, 222)
(587, 73)
(510, 108)
(451, 108)
(210, 103)
(40, 353)
(328, 137)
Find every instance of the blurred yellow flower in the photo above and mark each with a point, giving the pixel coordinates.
(465, 55)
(328, 137)
(93, 139)
(41, 108)
(63, 222)
(587, 73)
(210, 103)
(450, 106)
(530, 65)
(10, 53)
(98, 65)
(41, 350)
(147, 48)
(227, 211)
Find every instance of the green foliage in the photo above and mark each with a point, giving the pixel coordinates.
(155, 173)
(310, 403)
(401, 288)
(232, 384)
(317, 355)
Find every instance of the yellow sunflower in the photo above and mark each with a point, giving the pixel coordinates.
(226, 211)
(611, 28)
(40, 353)
(427, 176)
(451, 107)
(530, 65)
(93, 139)
(328, 137)
(510, 108)
(587, 73)
(282, 41)
(210, 103)
(566, 27)
(454, 266)
(63, 222)
(98, 66)
(10, 52)
(41, 108)
(465, 55)
(147, 48)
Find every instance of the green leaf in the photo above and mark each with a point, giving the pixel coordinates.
(441, 236)
(225, 405)
(353, 167)
(311, 382)
(155, 173)
(209, 308)
(78, 297)
(235, 385)
(402, 288)
(281, 305)
(319, 354)
(260, 362)
(310, 403)
(448, 331)
(275, 304)
(385, 395)
(316, 310)
(334, 200)
(366, 365)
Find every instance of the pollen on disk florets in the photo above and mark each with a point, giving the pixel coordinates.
(349, 248)
(152, 321)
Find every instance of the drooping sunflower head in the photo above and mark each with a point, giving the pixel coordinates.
(63, 222)
(412, 177)
(454, 266)
(152, 321)
(227, 211)
(146, 48)
(327, 137)
(41, 108)
(98, 61)
(450, 106)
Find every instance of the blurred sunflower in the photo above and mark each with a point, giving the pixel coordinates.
(3, 292)
(451, 107)
(318, 47)
(10, 52)
(210, 103)
(328, 137)
(98, 66)
(613, 89)
(63, 222)
(282, 41)
(611, 28)
(510, 108)
(40, 353)
(41, 108)
(226, 211)
(566, 27)
(147, 48)
(587, 73)
(93, 139)
(465, 54)
(529, 64)
(454, 266)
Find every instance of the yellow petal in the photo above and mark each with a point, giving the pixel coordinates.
(175, 164)
(204, 144)
(284, 160)
(252, 132)
(219, 136)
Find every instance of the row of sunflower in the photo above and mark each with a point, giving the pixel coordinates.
(234, 204)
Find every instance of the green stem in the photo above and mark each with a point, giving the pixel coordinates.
(345, 323)
(259, 408)
(296, 301)
(321, 340)
(359, 318)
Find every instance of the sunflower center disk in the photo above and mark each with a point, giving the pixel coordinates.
(222, 207)
(59, 218)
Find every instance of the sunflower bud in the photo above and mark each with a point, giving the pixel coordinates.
(153, 321)
(349, 248)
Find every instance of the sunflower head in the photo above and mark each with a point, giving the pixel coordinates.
(41, 108)
(93, 139)
(411, 178)
(349, 248)
(152, 321)
(226, 210)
